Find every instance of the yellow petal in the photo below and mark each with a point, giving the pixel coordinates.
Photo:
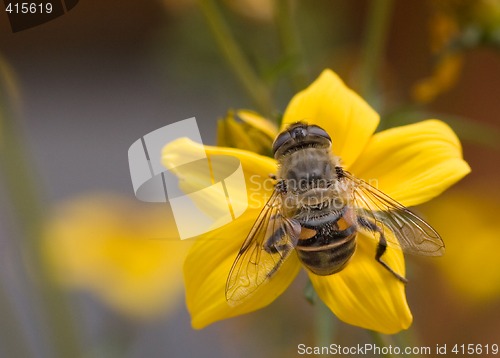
(256, 170)
(259, 122)
(365, 294)
(207, 267)
(413, 163)
(329, 103)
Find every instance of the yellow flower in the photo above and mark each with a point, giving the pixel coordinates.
(445, 76)
(126, 253)
(468, 218)
(412, 164)
(455, 26)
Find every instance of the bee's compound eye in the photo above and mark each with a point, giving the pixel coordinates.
(281, 139)
(315, 130)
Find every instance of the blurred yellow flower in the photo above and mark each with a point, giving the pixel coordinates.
(445, 77)
(412, 164)
(467, 221)
(455, 26)
(124, 252)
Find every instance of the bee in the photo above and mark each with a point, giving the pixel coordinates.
(317, 209)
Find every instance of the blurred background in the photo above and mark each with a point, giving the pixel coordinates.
(79, 90)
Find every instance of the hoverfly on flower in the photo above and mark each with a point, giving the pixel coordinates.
(317, 208)
(411, 164)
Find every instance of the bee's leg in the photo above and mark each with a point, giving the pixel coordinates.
(282, 242)
(283, 238)
(381, 247)
(281, 186)
(272, 243)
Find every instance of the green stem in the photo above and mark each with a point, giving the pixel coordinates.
(21, 183)
(374, 44)
(381, 341)
(407, 339)
(290, 43)
(257, 90)
(325, 324)
(324, 320)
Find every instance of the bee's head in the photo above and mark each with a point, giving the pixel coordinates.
(300, 135)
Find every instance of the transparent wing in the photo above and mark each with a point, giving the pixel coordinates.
(269, 243)
(413, 234)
